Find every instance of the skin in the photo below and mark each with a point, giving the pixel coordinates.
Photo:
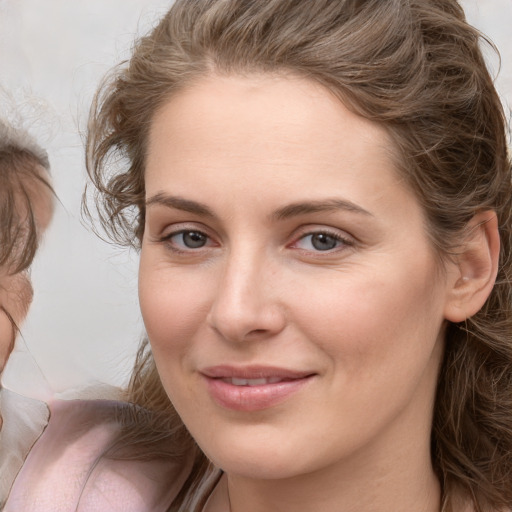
(15, 297)
(365, 317)
(16, 289)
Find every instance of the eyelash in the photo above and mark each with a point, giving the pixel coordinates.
(337, 237)
(167, 239)
(342, 241)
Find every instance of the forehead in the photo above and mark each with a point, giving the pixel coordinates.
(259, 104)
(281, 128)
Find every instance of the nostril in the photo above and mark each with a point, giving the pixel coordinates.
(256, 334)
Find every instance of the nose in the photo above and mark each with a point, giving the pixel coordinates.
(246, 306)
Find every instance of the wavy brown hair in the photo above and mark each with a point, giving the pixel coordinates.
(20, 162)
(416, 68)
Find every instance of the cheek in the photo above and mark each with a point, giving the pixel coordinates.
(373, 322)
(172, 305)
(14, 298)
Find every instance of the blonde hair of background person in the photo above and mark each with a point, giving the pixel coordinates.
(413, 69)
(26, 198)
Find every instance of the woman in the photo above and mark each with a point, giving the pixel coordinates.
(26, 209)
(321, 195)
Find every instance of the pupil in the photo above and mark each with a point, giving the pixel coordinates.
(323, 242)
(193, 239)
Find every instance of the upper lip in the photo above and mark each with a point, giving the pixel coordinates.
(253, 372)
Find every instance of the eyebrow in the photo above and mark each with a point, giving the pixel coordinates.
(180, 203)
(324, 205)
(286, 212)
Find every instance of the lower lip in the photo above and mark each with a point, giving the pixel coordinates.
(253, 398)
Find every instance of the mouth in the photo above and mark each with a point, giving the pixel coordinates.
(248, 389)
(253, 382)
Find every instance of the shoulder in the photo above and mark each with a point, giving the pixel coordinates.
(24, 419)
(69, 468)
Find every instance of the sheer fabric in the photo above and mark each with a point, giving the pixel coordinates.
(23, 422)
(68, 469)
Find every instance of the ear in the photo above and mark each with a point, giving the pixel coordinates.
(476, 268)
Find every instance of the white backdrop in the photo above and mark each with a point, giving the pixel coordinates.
(84, 323)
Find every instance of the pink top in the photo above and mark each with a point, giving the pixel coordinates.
(67, 472)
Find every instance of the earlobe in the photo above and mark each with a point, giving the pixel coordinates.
(477, 267)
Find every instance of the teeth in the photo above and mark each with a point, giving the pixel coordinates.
(252, 382)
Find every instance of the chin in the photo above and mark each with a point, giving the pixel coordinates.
(266, 467)
(260, 455)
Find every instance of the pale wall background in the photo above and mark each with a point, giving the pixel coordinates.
(84, 324)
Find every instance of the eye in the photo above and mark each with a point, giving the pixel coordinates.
(188, 239)
(321, 242)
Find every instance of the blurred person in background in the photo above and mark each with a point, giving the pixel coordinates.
(26, 206)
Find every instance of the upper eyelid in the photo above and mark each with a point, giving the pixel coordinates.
(180, 227)
(328, 230)
(173, 233)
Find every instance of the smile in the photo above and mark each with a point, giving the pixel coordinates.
(252, 382)
(253, 388)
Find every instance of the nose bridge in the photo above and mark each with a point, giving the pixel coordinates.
(244, 305)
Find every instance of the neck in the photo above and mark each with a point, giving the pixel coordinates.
(373, 480)
(348, 493)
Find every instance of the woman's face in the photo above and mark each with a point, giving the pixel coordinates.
(293, 302)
